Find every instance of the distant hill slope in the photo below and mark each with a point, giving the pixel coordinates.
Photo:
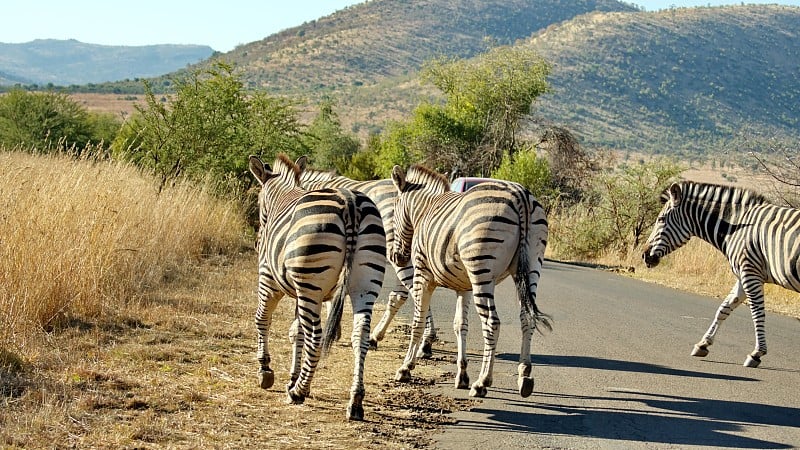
(367, 43)
(687, 79)
(67, 62)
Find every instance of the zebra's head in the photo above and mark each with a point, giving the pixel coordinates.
(285, 176)
(670, 231)
(403, 227)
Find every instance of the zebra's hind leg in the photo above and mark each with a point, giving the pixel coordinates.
(734, 299)
(310, 328)
(460, 327)
(296, 338)
(267, 302)
(426, 351)
(360, 343)
(484, 303)
(396, 299)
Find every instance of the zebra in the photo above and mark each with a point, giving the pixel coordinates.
(315, 246)
(468, 242)
(383, 193)
(761, 241)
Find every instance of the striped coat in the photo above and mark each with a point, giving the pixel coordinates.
(468, 242)
(383, 193)
(761, 241)
(315, 246)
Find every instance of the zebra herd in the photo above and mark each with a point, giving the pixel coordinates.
(324, 237)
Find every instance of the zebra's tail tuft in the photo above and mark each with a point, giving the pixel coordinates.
(524, 288)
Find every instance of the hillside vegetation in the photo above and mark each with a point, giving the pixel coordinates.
(367, 43)
(682, 80)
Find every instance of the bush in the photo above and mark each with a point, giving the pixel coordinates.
(529, 170)
(50, 121)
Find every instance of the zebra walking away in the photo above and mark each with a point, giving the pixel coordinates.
(315, 246)
(468, 242)
(761, 241)
(383, 193)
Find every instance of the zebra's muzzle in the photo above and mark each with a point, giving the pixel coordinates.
(650, 260)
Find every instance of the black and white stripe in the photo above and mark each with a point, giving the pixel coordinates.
(468, 242)
(316, 246)
(383, 193)
(761, 241)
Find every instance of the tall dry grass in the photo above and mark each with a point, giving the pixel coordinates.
(81, 238)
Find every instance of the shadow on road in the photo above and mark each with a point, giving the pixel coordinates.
(589, 362)
(680, 421)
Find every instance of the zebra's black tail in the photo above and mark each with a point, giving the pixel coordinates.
(524, 288)
(334, 324)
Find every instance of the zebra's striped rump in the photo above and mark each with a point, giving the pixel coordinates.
(468, 242)
(316, 246)
(760, 240)
(382, 193)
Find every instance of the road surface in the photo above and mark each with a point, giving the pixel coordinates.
(616, 372)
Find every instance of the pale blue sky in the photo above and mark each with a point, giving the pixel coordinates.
(222, 25)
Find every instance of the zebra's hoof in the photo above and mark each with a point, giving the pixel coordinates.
(295, 399)
(462, 382)
(700, 351)
(403, 375)
(478, 391)
(525, 386)
(752, 361)
(355, 412)
(373, 344)
(266, 378)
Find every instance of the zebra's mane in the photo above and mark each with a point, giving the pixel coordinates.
(715, 195)
(287, 169)
(318, 175)
(432, 179)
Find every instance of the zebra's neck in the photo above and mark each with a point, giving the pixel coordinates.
(718, 211)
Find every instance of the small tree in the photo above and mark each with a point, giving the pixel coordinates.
(330, 147)
(529, 170)
(209, 127)
(44, 121)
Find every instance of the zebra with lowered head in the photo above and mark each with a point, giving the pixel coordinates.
(382, 192)
(468, 242)
(315, 246)
(761, 241)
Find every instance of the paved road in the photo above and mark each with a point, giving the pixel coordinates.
(616, 372)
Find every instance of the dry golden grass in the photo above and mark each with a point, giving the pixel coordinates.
(127, 322)
(85, 237)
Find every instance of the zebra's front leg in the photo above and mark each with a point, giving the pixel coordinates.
(734, 299)
(396, 300)
(426, 350)
(267, 302)
(421, 293)
(310, 327)
(460, 327)
(490, 324)
(755, 296)
(360, 343)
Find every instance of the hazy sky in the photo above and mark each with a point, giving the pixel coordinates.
(222, 26)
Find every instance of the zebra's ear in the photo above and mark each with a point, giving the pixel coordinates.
(399, 178)
(301, 163)
(261, 171)
(675, 194)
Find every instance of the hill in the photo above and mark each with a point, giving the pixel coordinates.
(368, 43)
(686, 80)
(66, 62)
